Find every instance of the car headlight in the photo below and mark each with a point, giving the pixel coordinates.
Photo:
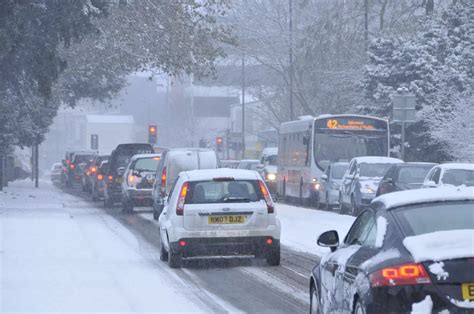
(334, 186)
(367, 190)
(271, 176)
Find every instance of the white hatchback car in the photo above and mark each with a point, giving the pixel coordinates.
(219, 212)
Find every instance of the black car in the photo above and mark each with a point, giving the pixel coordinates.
(76, 167)
(118, 161)
(407, 250)
(401, 177)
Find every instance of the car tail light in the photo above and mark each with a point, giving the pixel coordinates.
(266, 196)
(182, 243)
(93, 169)
(110, 178)
(100, 177)
(163, 182)
(182, 198)
(130, 179)
(67, 161)
(72, 166)
(406, 274)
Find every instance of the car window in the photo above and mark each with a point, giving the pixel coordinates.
(173, 187)
(436, 175)
(458, 177)
(361, 229)
(412, 174)
(337, 172)
(353, 167)
(373, 170)
(427, 218)
(203, 192)
(147, 164)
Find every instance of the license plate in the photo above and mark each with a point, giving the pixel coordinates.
(237, 219)
(118, 180)
(468, 291)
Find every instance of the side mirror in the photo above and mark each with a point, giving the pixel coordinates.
(431, 184)
(260, 167)
(121, 171)
(324, 177)
(329, 239)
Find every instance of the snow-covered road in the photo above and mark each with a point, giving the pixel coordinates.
(60, 252)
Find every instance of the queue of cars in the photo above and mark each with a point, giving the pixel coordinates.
(410, 245)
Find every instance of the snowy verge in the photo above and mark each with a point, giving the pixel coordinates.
(301, 227)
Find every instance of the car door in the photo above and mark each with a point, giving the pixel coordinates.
(167, 217)
(333, 267)
(366, 239)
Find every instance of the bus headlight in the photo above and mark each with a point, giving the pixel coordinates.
(271, 177)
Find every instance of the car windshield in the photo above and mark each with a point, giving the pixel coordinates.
(420, 219)
(373, 170)
(147, 164)
(459, 177)
(238, 191)
(334, 147)
(413, 174)
(272, 160)
(338, 171)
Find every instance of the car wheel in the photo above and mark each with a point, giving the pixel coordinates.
(273, 257)
(314, 307)
(359, 308)
(163, 253)
(156, 212)
(127, 206)
(174, 259)
(354, 210)
(107, 202)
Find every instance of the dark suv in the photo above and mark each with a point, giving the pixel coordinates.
(118, 161)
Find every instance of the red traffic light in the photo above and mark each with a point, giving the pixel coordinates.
(152, 129)
(219, 140)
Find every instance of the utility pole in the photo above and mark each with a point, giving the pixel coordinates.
(366, 26)
(290, 9)
(2, 170)
(243, 105)
(36, 163)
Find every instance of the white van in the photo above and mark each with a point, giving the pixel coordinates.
(174, 161)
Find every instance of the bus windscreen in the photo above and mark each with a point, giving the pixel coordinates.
(339, 139)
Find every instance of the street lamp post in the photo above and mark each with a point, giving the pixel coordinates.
(403, 112)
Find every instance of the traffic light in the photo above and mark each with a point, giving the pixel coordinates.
(219, 143)
(152, 132)
(95, 141)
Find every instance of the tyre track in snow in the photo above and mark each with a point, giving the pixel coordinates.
(246, 284)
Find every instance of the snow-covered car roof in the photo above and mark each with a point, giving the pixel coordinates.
(210, 174)
(453, 165)
(269, 151)
(377, 160)
(138, 156)
(419, 196)
(250, 160)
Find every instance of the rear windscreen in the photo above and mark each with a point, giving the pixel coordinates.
(459, 177)
(147, 164)
(413, 174)
(82, 158)
(238, 191)
(420, 219)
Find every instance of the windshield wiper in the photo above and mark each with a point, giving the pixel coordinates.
(231, 199)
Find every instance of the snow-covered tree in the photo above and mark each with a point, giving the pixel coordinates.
(436, 61)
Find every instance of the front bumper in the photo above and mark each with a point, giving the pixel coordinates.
(225, 246)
